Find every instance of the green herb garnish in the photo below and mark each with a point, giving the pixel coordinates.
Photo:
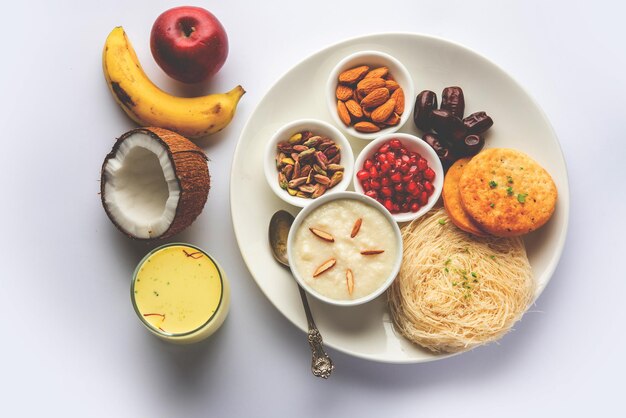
(492, 205)
(509, 179)
(493, 184)
(474, 274)
(509, 191)
(522, 197)
(442, 221)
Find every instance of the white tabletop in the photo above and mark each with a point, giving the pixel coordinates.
(72, 344)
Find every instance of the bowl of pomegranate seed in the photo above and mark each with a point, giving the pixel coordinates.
(402, 172)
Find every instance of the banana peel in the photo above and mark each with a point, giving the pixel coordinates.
(148, 105)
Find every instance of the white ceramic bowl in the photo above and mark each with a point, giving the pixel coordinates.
(412, 143)
(316, 204)
(318, 127)
(373, 59)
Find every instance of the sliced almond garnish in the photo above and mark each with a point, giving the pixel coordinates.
(372, 252)
(327, 265)
(356, 227)
(350, 281)
(322, 234)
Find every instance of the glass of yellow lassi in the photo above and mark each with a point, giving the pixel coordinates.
(180, 293)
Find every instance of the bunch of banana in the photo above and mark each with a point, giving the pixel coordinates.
(148, 105)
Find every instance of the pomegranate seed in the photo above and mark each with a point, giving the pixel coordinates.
(411, 187)
(383, 148)
(422, 164)
(368, 164)
(415, 207)
(391, 157)
(395, 144)
(404, 151)
(429, 174)
(404, 168)
(428, 187)
(381, 158)
(412, 160)
(375, 184)
(388, 204)
(416, 155)
(398, 187)
(385, 167)
(404, 207)
(362, 175)
(396, 207)
(371, 193)
(407, 178)
(385, 181)
(373, 172)
(405, 158)
(423, 199)
(386, 191)
(413, 169)
(419, 175)
(396, 177)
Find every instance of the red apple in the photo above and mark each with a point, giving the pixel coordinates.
(189, 43)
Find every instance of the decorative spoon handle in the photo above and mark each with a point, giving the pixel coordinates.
(321, 365)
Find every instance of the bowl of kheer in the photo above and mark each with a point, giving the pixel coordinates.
(345, 249)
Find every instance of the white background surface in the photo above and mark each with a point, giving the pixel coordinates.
(71, 343)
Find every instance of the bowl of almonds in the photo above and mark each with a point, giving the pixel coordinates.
(367, 94)
(307, 159)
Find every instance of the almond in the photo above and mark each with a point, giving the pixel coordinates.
(377, 72)
(366, 127)
(367, 85)
(326, 265)
(372, 252)
(343, 92)
(391, 85)
(356, 227)
(367, 113)
(350, 281)
(322, 234)
(394, 119)
(342, 110)
(382, 112)
(398, 95)
(354, 108)
(375, 98)
(353, 75)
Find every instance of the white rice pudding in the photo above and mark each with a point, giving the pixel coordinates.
(337, 218)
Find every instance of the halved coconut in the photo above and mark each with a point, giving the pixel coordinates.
(154, 183)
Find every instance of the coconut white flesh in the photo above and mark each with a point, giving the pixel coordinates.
(141, 190)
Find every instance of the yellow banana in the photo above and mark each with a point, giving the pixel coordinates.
(148, 105)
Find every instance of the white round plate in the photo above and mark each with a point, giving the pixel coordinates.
(366, 331)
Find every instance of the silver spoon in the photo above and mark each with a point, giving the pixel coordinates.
(321, 364)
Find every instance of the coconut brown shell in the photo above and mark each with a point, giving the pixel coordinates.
(191, 170)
